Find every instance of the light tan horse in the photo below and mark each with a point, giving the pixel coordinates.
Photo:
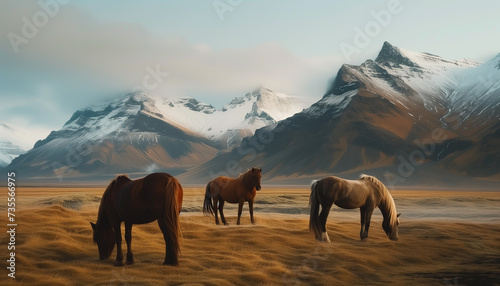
(240, 190)
(366, 194)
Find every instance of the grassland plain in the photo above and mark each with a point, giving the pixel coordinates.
(445, 238)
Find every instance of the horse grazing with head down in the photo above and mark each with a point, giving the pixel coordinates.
(240, 190)
(366, 194)
(157, 196)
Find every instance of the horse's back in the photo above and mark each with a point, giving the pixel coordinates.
(143, 200)
(345, 193)
(230, 189)
(158, 184)
(329, 188)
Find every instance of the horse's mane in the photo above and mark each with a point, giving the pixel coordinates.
(245, 178)
(387, 202)
(101, 217)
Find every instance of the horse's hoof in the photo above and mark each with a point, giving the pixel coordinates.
(171, 263)
(129, 262)
(253, 222)
(226, 223)
(363, 239)
(324, 237)
(118, 263)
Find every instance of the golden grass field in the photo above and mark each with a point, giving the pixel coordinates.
(445, 238)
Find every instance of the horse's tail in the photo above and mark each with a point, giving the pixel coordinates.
(173, 205)
(314, 223)
(208, 208)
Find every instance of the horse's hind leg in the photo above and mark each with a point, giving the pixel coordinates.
(171, 249)
(221, 209)
(128, 239)
(325, 211)
(215, 202)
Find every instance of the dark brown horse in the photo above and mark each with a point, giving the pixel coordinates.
(240, 190)
(157, 196)
(367, 193)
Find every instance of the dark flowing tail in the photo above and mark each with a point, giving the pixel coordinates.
(173, 203)
(208, 208)
(314, 223)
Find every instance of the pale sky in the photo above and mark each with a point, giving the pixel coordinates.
(56, 58)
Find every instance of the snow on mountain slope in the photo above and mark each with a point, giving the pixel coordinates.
(477, 94)
(16, 140)
(238, 119)
(427, 76)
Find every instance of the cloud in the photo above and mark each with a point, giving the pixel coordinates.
(78, 60)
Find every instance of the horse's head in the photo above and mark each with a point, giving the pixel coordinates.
(105, 239)
(391, 227)
(256, 175)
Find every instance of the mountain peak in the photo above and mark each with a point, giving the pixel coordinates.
(394, 55)
(137, 97)
(261, 91)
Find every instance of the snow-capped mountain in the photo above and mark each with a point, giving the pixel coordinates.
(236, 120)
(126, 135)
(402, 108)
(16, 140)
(407, 117)
(143, 133)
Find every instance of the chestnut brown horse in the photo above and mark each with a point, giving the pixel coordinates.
(367, 193)
(157, 196)
(240, 190)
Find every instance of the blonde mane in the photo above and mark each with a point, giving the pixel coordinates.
(387, 205)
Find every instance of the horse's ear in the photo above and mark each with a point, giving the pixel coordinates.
(399, 214)
(93, 225)
(260, 170)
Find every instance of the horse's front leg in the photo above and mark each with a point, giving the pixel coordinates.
(250, 206)
(368, 215)
(240, 209)
(128, 239)
(118, 240)
(362, 211)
